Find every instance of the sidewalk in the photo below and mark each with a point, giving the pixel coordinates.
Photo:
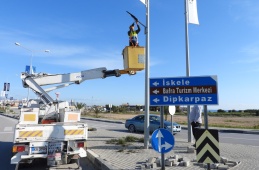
(111, 156)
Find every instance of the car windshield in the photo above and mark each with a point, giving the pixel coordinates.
(139, 118)
(167, 123)
(154, 118)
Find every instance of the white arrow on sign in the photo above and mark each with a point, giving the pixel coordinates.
(156, 91)
(156, 100)
(159, 135)
(155, 83)
(166, 145)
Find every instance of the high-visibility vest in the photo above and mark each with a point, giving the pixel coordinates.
(133, 36)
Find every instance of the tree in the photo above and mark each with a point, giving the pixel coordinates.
(177, 108)
(123, 109)
(115, 109)
(220, 110)
(96, 111)
(80, 105)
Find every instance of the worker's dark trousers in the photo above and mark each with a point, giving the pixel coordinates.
(195, 126)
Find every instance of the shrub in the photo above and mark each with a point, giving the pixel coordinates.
(125, 140)
(131, 139)
(121, 141)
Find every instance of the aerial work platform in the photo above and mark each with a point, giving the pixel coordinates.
(133, 59)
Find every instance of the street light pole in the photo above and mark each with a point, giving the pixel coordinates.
(32, 55)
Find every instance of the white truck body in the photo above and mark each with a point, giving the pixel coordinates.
(53, 132)
(41, 139)
(57, 142)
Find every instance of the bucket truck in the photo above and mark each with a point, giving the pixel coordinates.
(56, 132)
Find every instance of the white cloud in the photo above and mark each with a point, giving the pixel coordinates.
(250, 53)
(246, 10)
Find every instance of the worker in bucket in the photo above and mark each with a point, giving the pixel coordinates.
(133, 35)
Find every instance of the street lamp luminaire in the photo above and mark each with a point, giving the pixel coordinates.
(32, 52)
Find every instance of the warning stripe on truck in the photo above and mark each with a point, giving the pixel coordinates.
(74, 132)
(34, 133)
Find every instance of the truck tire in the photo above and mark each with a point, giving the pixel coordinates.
(69, 159)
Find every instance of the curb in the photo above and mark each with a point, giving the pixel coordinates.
(103, 120)
(99, 163)
(254, 132)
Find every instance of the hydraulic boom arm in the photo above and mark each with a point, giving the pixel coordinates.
(35, 81)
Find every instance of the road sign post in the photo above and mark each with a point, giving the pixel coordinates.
(172, 110)
(162, 109)
(206, 123)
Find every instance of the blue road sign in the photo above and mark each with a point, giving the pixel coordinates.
(162, 140)
(183, 91)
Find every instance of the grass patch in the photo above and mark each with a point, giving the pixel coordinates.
(130, 138)
(122, 142)
(229, 126)
(125, 140)
(133, 139)
(231, 121)
(112, 141)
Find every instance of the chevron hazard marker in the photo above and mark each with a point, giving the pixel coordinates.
(207, 146)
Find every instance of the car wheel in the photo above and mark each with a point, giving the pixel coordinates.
(132, 128)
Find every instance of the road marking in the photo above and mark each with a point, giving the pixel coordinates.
(101, 126)
(104, 127)
(8, 129)
(5, 132)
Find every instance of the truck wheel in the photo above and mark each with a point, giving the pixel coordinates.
(68, 159)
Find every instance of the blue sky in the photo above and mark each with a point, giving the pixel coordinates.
(84, 35)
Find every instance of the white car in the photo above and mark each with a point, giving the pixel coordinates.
(20, 106)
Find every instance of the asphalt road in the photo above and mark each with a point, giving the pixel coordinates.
(235, 138)
(6, 138)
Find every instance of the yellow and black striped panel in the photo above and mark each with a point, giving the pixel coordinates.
(33, 133)
(74, 132)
